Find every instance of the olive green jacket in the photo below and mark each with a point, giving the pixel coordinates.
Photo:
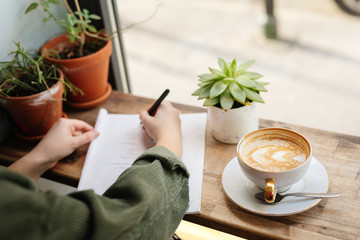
(147, 201)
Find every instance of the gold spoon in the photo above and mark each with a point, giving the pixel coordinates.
(279, 197)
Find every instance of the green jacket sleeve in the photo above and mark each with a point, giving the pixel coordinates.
(147, 201)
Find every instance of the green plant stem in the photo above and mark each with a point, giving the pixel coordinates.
(143, 21)
(28, 74)
(82, 37)
(77, 24)
(126, 28)
(23, 54)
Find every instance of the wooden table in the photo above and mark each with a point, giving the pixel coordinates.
(331, 219)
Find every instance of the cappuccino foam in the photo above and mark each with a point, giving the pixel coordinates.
(274, 155)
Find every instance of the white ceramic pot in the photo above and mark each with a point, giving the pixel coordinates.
(232, 125)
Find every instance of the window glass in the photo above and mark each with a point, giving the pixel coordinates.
(312, 67)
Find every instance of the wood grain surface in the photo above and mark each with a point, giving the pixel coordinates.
(337, 218)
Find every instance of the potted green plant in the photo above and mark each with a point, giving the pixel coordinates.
(31, 90)
(230, 94)
(83, 51)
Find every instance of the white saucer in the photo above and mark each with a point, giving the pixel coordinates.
(242, 191)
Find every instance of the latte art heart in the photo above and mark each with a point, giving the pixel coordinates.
(274, 155)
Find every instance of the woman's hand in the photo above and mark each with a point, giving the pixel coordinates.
(61, 140)
(164, 127)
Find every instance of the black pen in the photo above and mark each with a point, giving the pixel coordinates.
(154, 107)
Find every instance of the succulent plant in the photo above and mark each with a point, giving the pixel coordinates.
(233, 83)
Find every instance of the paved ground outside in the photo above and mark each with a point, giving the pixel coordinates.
(313, 68)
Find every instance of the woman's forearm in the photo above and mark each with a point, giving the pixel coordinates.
(31, 165)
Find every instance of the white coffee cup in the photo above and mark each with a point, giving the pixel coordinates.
(274, 159)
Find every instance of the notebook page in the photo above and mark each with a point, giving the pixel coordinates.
(122, 140)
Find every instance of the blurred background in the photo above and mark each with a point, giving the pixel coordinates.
(313, 65)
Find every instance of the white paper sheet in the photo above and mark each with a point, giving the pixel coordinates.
(122, 140)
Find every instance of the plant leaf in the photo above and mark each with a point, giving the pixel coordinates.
(262, 83)
(211, 102)
(208, 76)
(224, 66)
(254, 96)
(226, 100)
(54, 1)
(259, 87)
(217, 89)
(85, 13)
(217, 72)
(237, 92)
(45, 5)
(70, 19)
(32, 6)
(252, 75)
(203, 84)
(221, 63)
(245, 82)
(71, 38)
(229, 79)
(205, 93)
(22, 84)
(233, 67)
(197, 92)
(94, 16)
(244, 66)
(207, 81)
(91, 28)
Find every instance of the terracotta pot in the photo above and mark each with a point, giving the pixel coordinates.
(35, 114)
(232, 125)
(89, 73)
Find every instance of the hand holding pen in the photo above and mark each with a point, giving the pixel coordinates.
(152, 110)
(164, 127)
